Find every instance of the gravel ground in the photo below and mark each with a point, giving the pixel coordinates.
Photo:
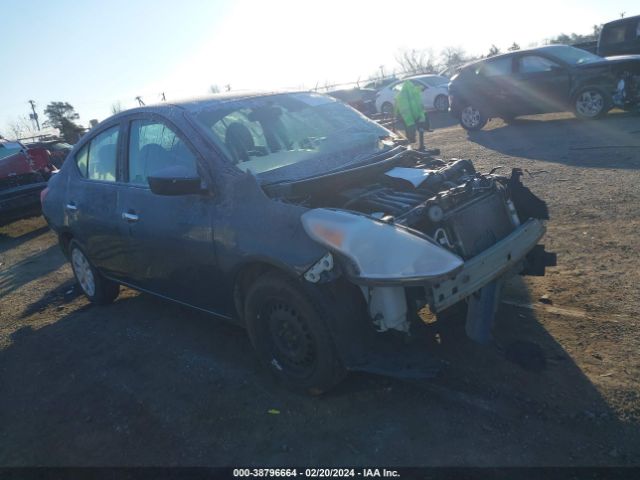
(145, 382)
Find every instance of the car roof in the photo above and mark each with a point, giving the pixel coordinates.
(544, 48)
(193, 104)
(621, 20)
(418, 76)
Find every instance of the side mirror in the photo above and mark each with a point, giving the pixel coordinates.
(176, 180)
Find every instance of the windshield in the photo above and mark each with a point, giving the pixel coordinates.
(574, 56)
(9, 148)
(289, 136)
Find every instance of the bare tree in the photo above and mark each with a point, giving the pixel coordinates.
(21, 127)
(116, 107)
(514, 46)
(416, 61)
(453, 56)
(214, 88)
(493, 51)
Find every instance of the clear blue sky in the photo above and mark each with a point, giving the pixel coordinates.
(94, 53)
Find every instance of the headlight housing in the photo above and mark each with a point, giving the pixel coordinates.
(380, 252)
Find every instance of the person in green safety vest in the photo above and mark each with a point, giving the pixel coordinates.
(408, 106)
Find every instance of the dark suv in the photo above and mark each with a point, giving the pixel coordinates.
(554, 78)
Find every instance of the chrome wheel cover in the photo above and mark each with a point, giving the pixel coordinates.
(83, 272)
(470, 117)
(590, 103)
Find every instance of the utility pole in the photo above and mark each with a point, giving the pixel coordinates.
(34, 115)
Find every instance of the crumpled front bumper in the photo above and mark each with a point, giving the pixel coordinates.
(502, 257)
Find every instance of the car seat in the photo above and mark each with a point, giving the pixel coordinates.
(239, 141)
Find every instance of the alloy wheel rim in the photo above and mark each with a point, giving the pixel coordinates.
(590, 103)
(471, 117)
(83, 272)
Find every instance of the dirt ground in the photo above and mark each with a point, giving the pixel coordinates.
(145, 382)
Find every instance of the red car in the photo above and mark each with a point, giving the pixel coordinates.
(22, 178)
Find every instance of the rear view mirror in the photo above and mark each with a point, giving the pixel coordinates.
(174, 181)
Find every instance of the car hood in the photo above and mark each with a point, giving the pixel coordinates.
(611, 61)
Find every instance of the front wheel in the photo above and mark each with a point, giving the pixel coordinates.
(290, 335)
(441, 103)
(96, 288)
(472, 118)
(591, 103)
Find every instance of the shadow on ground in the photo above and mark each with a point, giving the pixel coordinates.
(611, 142)
(144, 381)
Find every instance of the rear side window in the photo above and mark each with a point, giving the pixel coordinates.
(495, 68)
(153, 146)
(103, 150)
(8, 149)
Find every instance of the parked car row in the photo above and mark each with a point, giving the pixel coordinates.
(382, 100)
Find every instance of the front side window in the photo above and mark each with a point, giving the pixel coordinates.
(495, 68)
(535, 64)
(435, 81)
(97, 159)
(153, 147)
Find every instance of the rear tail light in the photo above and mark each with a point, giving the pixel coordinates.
(43, 194)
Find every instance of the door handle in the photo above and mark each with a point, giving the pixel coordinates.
(71, 206)
(129, 217)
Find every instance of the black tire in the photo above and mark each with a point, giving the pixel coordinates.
(591, 103)
(104, 291)
(472, 118)
(386, 109)
(288, 331)
(441, 103)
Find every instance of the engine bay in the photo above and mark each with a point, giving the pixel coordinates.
(459, 208)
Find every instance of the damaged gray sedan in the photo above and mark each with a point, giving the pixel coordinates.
(299, 219)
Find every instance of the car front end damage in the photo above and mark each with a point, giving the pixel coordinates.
(418, 231)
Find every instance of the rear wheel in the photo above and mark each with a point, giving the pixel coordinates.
(591, 103)
(472, 118)
(441, 103)
(386, 109)
(288, 331)
(96, 288)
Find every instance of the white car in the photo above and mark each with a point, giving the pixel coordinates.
(435, 93)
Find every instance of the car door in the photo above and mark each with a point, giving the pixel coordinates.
(428, 93)
(493, 88)
(543, 84)
(170, 238)
(91, 204)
